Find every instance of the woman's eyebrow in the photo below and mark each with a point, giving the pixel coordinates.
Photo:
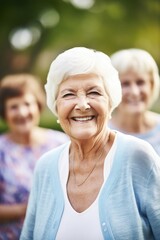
(67, 90)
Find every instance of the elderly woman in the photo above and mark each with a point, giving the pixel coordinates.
(140, 82)
(102, 184)
(22, 100)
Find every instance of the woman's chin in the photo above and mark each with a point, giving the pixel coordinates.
(83, 135)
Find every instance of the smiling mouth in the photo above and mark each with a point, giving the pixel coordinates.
(83, 119)
(134, 103)
(23, 120)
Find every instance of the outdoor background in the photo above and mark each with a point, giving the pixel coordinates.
(33, 32)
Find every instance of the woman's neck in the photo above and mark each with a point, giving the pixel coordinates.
(89, 149)
(32, 138)
(138, 123)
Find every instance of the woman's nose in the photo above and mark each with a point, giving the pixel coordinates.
(23, 110)
(82, 104)
(135, 89)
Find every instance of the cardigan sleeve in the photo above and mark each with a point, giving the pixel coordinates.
(153, 200)
(46, 199)
(28, 227)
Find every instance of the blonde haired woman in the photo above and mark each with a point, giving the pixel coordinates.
(140, 83)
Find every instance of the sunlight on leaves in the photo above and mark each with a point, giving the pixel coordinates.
(84, 4)
(23, 38)
(49, 18)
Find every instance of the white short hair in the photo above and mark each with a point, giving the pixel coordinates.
(81, 60)
(140, 61)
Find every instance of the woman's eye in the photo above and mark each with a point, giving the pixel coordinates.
(13, 107)
(27, 104)
(94, 93)
(68, 95)
(140, 82)
(125, 84)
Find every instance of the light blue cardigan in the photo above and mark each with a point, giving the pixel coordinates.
(129, 204)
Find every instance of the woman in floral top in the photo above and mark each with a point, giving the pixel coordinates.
(22, 101)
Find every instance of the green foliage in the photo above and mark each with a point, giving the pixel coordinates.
(109, 25)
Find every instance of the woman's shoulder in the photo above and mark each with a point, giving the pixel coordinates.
(136, 156)
(50, 159)
(57, 133)
(56, 136)
(126, 137)
(4, 141)
(136, 152)
(134, 145)
(153, 117)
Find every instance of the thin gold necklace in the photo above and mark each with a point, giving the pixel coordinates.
(89, 174)
(79, 184)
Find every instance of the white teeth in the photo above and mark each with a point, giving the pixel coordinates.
(83, 118)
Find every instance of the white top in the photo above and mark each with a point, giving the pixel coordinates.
(76, 225)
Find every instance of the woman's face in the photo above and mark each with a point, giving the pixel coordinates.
(22, 113)
(136, 91)
(83, 106)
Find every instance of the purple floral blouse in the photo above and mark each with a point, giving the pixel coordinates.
(17, 163)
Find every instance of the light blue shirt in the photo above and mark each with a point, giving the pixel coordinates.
(129, 203)
(152, 136)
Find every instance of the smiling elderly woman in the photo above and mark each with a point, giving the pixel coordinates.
(97, 185)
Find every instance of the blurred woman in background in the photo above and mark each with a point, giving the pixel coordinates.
(22, 100)
(140, 82)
